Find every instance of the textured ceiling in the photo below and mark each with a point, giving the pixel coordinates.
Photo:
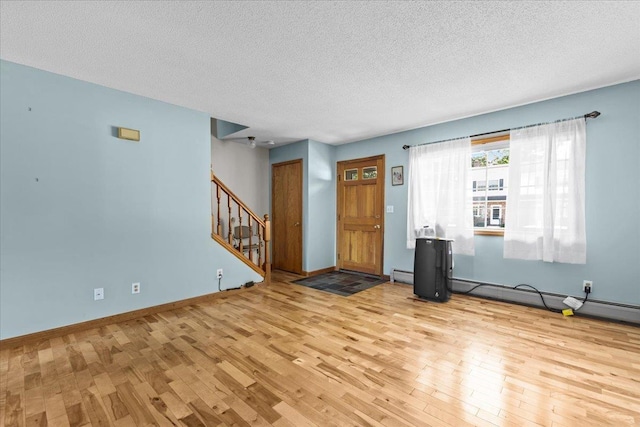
(330, 71)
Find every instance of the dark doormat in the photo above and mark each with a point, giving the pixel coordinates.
(340, 282)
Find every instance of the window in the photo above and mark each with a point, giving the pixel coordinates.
(436, 170)
(479, 185)
(548, 162)
(489, 174)
(351, 175)
(496, 215)
(370, 172)
(496, 184)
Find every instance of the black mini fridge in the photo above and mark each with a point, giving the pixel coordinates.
(433, 269)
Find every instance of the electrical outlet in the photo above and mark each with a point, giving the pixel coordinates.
(135, 288)
(98, 293)
(219, 273)
(587, 286)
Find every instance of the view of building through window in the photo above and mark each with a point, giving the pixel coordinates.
(489, 174)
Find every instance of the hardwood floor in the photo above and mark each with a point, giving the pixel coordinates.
(286, 355)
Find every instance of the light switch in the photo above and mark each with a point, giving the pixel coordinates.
(390, 209)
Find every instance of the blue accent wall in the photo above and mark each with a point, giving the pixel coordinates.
(612, 195)
(322, 215)
(224, 128)
(318, 199)
(82, 209)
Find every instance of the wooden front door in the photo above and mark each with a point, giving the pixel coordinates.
(286, 212)
(361, 214)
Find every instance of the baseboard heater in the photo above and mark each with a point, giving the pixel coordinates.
(593, 308)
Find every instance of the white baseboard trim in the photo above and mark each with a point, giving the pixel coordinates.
(593, 308)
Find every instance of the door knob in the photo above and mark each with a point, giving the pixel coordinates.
(376, 226)
(296, 224)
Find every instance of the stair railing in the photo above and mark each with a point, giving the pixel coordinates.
(239, 229)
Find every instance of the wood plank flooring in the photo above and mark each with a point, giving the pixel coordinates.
(287, 355)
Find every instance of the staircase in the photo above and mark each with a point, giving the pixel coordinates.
(240, 230)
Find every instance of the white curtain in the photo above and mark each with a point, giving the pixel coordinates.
(545, 203)
(440, 193)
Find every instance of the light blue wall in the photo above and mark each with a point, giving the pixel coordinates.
(322, 215)
(612, 199)
(81, 209)
(224, 128)
(318, 199)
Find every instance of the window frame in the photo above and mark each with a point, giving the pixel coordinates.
(373, 168)
(357, 174)
(482, 141)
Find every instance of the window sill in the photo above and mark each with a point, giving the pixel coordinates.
(489, 232)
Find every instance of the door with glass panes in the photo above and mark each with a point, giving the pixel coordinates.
(361, 215)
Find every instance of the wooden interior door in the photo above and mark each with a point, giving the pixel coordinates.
(286, 216)
(361, 214)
